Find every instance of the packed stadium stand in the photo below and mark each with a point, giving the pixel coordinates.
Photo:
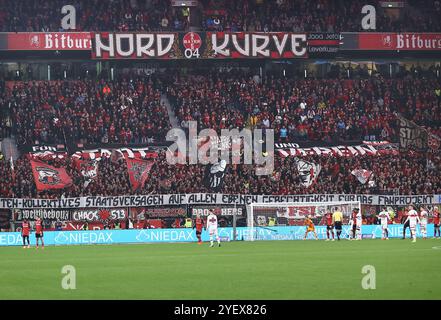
(95, 112)
(226, 15)
(324, 100)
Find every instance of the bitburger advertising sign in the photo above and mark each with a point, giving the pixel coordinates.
(386, 41)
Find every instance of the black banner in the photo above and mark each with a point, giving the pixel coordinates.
(158, 212)
(412, 136)
(323, 43)
(45, 214)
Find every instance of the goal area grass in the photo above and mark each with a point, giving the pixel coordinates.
(265, 270)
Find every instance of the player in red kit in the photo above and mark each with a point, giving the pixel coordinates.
(25, 230)
(436, 216)
(199, 225)
(329, 226)
(354, 224)
(39, 232)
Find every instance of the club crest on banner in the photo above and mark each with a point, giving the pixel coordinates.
(47, 175)
(137, 169)
(308, 172)
(433, 142)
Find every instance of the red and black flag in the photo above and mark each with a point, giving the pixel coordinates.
(88, 169)
(47, 177)
(138, 171)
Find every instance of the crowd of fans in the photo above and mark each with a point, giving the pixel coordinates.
(403, 174)
(226, 15)
(127, 111)
(309, 109)
(95, 15)
(316, 16)
(130, 111)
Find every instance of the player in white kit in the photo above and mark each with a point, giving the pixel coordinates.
(423, 222)
(212, 228)
(358, 222)
(412, 217)
(384, 218)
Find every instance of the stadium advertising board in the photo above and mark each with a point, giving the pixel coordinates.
(71, 214)
(60, 238)
(321, 42)
(207, 199)
(219, 211)
(42, 41)
(152, 213)
(216, 45)
(163, 45)
(391, 41)
(196, 45)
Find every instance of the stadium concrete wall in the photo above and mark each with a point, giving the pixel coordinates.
(189, 235)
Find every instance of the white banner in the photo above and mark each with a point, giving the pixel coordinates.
(209, 198)
(365, 149)
(362, 175)
(308, 172)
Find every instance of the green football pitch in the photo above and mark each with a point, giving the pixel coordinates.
(237, 270)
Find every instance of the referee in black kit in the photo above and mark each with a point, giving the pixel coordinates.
(406, 225)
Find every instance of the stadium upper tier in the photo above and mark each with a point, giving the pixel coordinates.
(222, 15)
(304, 111)
(313, 110)
(89, 111)
(130, 110)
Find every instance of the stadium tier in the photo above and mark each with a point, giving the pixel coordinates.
(345, 112)
(214, 134)
(224, 15)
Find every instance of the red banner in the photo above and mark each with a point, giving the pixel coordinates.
(138, 171)
(47, 177)
(198, 45)
(49, 41)
(391, 41)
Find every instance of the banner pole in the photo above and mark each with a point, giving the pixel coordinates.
(234, 221)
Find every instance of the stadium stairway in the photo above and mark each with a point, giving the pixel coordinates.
(171, 113)
(9, 149)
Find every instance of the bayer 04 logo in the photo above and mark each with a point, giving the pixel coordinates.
(192, 42)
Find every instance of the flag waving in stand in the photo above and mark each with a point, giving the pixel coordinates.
(48, 177)
(138, 171)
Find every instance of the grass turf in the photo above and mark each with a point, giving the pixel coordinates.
(237, 270)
